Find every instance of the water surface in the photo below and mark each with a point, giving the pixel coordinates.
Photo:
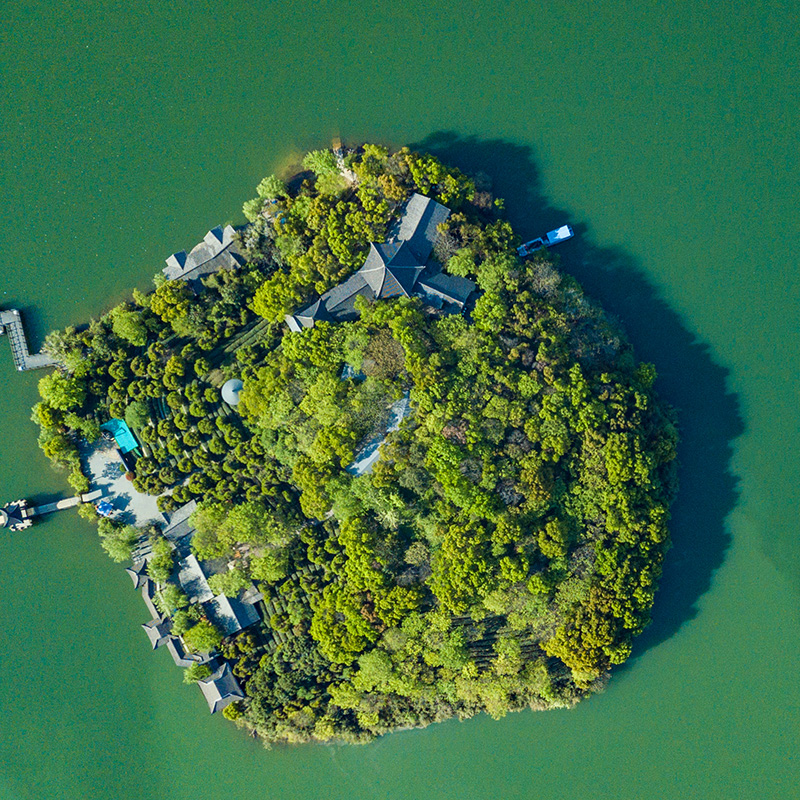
(664, 134)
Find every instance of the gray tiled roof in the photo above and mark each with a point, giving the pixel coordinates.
(340, 301)
(148, 593)
(138, 574)
(181, 657)
(220, 689)
(418, 224)
(450, 288)
(181, 514)
(193, 580)
(229, 615)
(217, 251)
(157, 631)
(390, 270)
(314, 313)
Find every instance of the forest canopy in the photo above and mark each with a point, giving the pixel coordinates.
(502, 552)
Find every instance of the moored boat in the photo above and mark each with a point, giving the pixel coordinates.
(548, 240)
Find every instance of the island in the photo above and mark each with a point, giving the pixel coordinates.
(371, 462)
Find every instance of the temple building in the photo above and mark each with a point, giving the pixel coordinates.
(400, 267)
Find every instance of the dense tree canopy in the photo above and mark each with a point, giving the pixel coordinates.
(504, 550)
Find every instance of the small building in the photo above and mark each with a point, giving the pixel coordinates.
(445, 288)
(217, 251)
(220, 689)
(230, 615)
(138, 574)
(182, 657)
(148, 595)
(158, 631)
(123, 435)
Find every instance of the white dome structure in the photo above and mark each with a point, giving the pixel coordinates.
(230, 391)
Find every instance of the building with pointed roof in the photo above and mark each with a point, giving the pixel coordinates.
(228, 614)
(148, 595)
(217, 251)
(399, 267)
(138, 574)
(158, 631)
(220, 689)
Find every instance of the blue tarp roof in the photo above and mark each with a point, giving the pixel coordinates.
(122, 433)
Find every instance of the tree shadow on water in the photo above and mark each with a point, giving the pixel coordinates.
(689, 379)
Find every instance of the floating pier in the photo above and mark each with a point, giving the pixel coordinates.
(11, 325)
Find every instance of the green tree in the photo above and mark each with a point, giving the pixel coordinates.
(116, 539)
(63, 392)
(137, 415)
(321, 162)
(202, 637)
(171, 598)
(159, 567)
(229, 583)
(271, 188)
(130, 326)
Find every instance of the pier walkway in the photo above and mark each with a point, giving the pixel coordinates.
(11, 323)
(19, 515)
(61, 505)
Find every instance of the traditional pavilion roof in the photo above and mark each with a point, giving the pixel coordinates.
(138, 574)
(158, 631)
(148, 593)
(306, 317)
(178, 523)
(391, 268)
(181, 656)
(418, 222)
(220, 689)
(217, 251)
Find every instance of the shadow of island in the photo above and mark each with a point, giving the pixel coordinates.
(688, 378)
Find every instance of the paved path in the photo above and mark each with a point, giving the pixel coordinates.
(23, 360)
(103, 466)
(370, 452)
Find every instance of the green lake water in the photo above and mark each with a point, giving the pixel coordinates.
(665, 133)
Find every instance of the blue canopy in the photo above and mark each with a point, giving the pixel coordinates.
(126, 441)
(104, 508)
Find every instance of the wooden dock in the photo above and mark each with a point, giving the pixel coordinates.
(11, 325)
